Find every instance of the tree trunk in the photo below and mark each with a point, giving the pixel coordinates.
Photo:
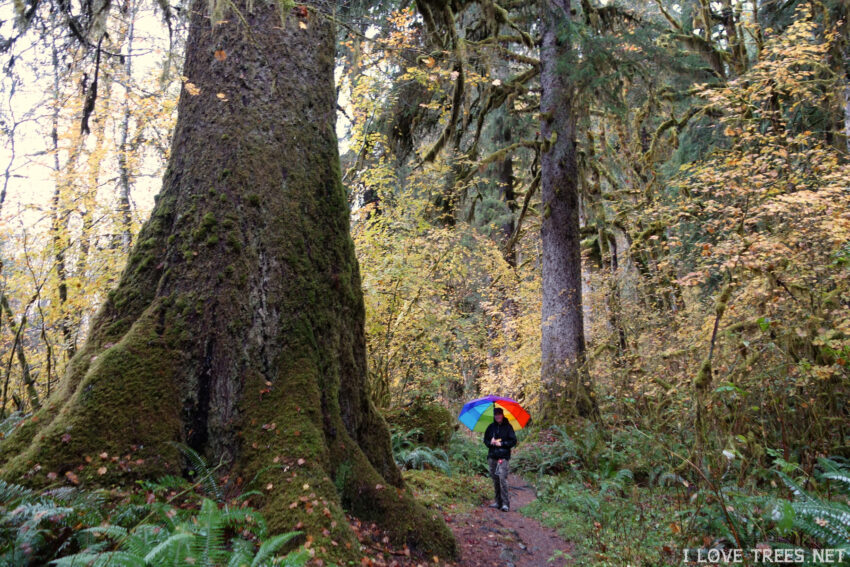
(237, 325)
(847, 113)
(566, 392)
(125, 237)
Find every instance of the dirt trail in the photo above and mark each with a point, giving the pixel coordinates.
(490, 538)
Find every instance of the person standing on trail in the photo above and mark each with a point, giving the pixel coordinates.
(499, 438)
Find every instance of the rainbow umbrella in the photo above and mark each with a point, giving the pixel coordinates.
(478, 414)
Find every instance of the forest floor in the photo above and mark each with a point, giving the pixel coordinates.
(486, 538)
(489, 537)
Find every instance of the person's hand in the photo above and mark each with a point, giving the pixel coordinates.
(497, 442)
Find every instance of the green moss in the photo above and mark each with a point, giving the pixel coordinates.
(254, 200)
(233, 242)
(437, 491)
(144, 264)
(208, 221)
(434, 421)
(123, 407)
(212, 240)
(703, 379)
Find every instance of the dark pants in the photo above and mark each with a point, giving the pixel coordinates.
(499, 474)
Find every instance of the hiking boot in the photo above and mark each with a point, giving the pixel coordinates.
(505, 508)
(496, 505)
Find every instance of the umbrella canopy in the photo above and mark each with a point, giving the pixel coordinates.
(478, 414)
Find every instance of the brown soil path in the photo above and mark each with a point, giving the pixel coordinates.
(491, 538)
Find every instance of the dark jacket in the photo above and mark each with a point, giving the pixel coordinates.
(505, 432)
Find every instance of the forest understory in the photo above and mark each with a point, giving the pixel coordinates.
(256, 256)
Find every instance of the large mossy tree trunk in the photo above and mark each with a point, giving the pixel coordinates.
(237, 325)
(566, 389)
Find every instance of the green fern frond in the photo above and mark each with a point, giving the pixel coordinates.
(202, 470)
(241, 554)
(10, 423)
(270, 547)
(246, 495)
(843, 477)
(209, 543)
(794, 487)
(249, 520)
(176, 547)
(10, 492)
(296, 559)
(112, 532)
(106, 559)
(831, 520)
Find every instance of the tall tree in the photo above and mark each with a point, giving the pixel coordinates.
(563, 377)
(237, 325)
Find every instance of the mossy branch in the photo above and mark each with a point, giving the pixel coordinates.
(502, 17)
(712, 55)
(671, 123)
(457, 96)
(703, 379)
(498, 97)
(509, 245)
(500, 155)
(668, 17)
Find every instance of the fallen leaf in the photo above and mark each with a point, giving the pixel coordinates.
(220, 55)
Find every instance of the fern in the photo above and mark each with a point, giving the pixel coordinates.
(617, 481)
(826, 521)
(843, 477)
(13, 492)
(794, 487)
(67, 526)
(198, 538)
(466, 456)
(270, 547)
(202, 471)
(409, 455)
(106, 559)
(10, 423)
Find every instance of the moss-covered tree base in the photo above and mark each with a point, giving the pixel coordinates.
(237, 326)
(568, 396)
(434, 422)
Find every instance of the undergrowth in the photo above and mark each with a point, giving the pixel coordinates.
(171, 521)
(620, 503)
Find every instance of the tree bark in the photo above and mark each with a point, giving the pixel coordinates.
(566, 392)
(237, 325)
(847, 113)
